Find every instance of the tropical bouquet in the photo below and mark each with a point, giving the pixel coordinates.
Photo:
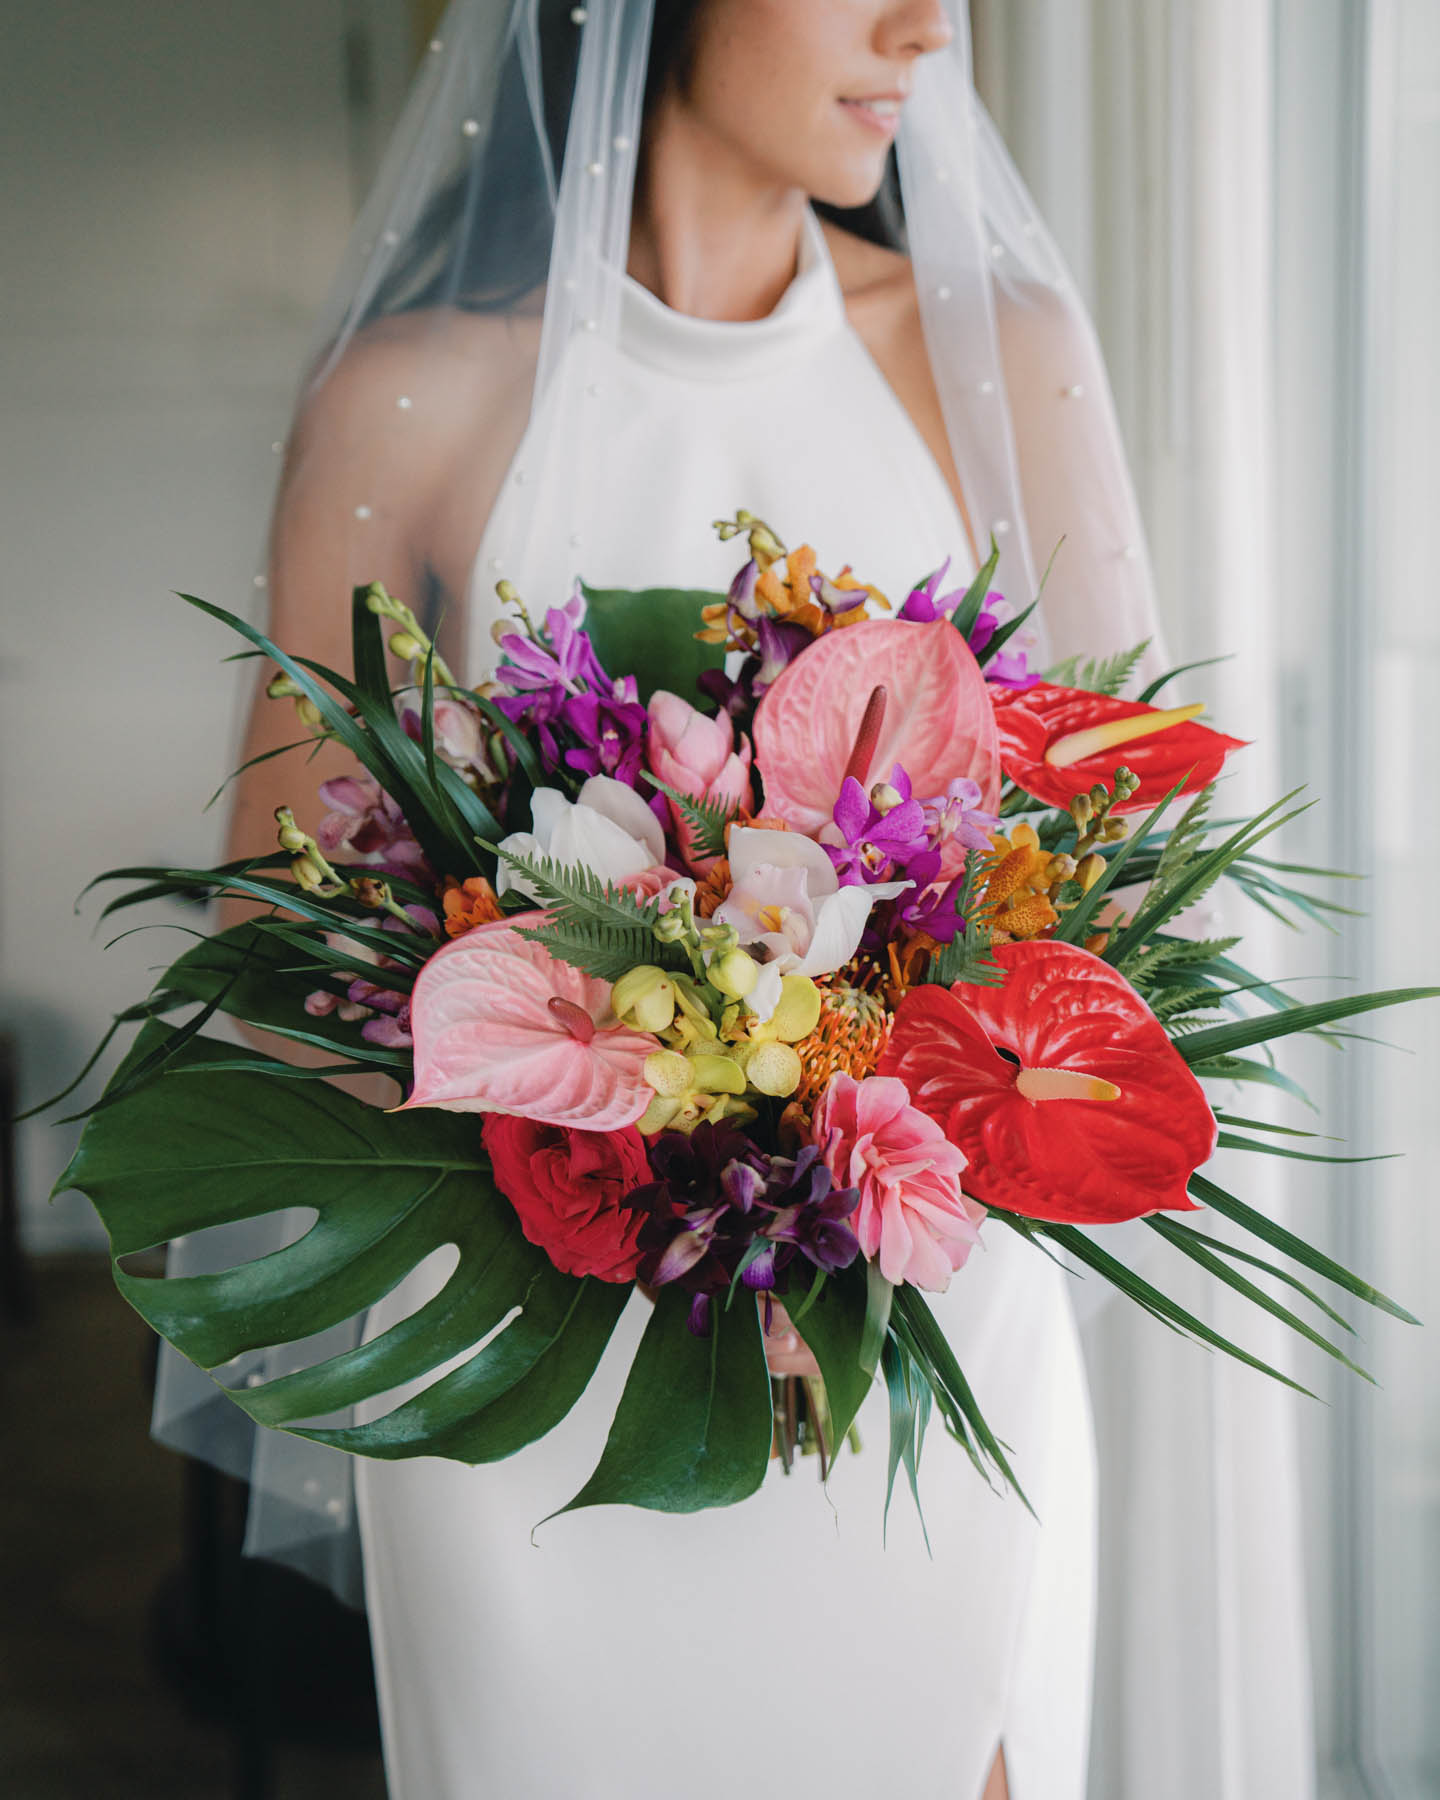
(760, 949)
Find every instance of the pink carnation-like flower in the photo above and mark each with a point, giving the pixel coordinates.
(696, 755)
(912, 1214)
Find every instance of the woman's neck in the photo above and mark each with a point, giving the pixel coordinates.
(710, 236)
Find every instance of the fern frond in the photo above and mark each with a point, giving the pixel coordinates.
(1171, 1003)
(1098, 675)
(592, 925)
(1164, 956)
(967, 957)
(1183, 845)
(707, 819)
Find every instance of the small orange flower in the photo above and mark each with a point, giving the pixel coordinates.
(850, 1038)
(468, 903)
(713, 888)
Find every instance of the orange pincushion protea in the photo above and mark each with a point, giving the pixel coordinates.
(468, 903)
(850, 1038)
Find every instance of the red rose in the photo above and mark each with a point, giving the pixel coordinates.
(567, 1187)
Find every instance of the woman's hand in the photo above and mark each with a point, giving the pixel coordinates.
(785, 1350)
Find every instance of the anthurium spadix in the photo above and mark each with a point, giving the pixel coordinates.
(933, 717)
(1056, 742)
(1060, 1085)
(500, 1025)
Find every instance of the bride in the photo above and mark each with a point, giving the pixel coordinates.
(629, 268)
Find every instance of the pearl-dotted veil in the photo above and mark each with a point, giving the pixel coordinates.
(505, 202)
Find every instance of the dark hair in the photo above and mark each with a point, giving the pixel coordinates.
(501, 267)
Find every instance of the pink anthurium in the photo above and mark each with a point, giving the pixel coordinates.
(501, 1026)
(1060, 1086)
(1056, 742)
(933, 716)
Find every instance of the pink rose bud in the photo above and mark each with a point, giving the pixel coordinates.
(696, 755)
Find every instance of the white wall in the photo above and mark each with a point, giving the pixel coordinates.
(179, 179)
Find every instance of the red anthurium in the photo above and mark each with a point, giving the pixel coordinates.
(1090, 1116)
(861, 700)
(1056, 742)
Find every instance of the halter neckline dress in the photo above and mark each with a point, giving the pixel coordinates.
(781, 1645)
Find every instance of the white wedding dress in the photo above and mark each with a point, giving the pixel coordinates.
(778, 1646)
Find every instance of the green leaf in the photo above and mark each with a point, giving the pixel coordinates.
(1146, 695)
(1222, 1248)
(1240, 1034)
(1280, 1239)
(1196, 1247)
(971, 606)
(650, 633)
(693, 1428)
(244, 969)
(1234, 1140)
(1195, 879)
(445, 819)
(835, 1330)
(910, 1403)
(1074, 926)
(1245, 1068)
(520, 746)
(1085, 1250)
(919, 1333)
(388, 1189)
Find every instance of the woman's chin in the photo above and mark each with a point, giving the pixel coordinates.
(853, 183)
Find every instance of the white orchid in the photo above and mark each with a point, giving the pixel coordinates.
(787, 903)
(609, 829)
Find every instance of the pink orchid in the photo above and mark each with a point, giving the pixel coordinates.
(502, 1026)
(696, 755)
(912, 1213)
(878, 693)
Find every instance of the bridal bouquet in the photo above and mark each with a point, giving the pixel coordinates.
(768, 988)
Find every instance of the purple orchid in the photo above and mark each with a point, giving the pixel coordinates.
(611, 730)
(957, 817)
(874, 843)
(1009, 666)
(837, 600)
(563, 657)
(558, 684)
(721, 1207)
(924, 604)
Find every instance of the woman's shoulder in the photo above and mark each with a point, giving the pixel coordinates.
(457, 362)
(875, 281)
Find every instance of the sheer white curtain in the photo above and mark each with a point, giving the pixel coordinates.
(1145, 128)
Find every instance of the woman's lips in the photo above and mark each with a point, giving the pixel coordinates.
(878, 113)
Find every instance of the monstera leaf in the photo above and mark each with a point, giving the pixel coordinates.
(650, 633)
(208, 1143)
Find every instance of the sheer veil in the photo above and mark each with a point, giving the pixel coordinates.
(498, 234)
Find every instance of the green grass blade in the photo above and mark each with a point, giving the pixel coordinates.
(1292, 1246)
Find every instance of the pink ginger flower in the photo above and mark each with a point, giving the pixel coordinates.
(500, 1025)
(696, 755)
(912, 1214)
